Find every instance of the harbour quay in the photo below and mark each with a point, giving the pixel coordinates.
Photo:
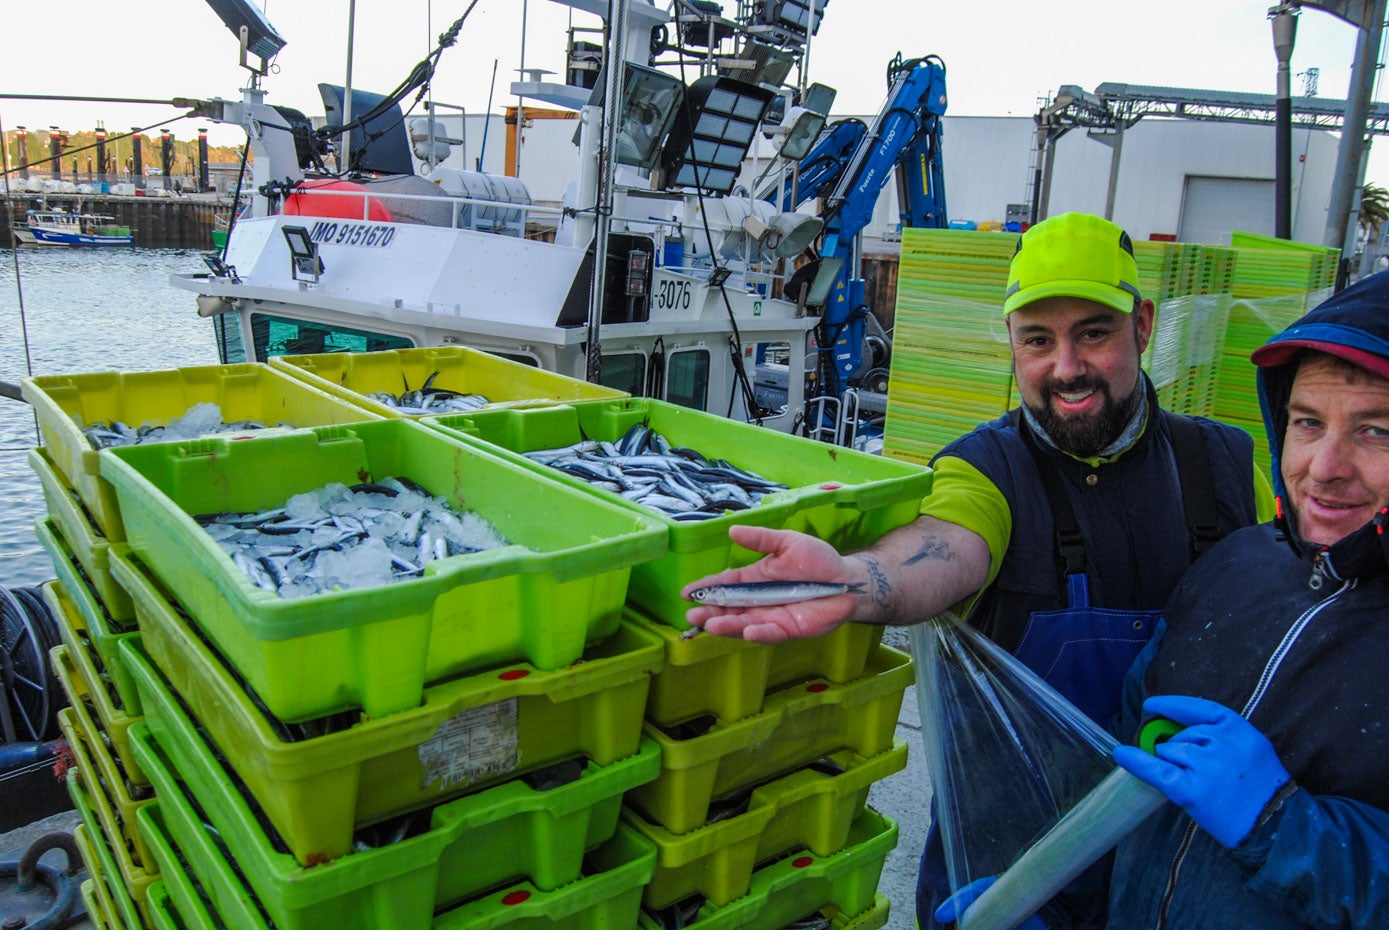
(155, 222)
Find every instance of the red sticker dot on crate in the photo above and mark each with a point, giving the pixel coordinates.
(516, 897)
(514, 674)
(830, 487)
(802, 862)
(817, 687)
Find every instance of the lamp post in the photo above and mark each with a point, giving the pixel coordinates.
(1284, 19)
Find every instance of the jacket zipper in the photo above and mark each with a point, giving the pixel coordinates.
(1260, 689)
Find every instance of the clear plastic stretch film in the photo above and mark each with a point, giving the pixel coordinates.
(1020, 777)
(1089, 830)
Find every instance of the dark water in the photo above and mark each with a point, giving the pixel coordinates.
(87, 310)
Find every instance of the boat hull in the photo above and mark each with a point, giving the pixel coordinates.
(32, 236)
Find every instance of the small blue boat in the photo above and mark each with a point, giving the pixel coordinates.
(55, 227)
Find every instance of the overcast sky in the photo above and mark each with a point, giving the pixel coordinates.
(1001, 55)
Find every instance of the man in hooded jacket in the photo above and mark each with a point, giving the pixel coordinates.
(1273, 661)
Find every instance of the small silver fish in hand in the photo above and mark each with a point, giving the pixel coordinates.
(768, 593)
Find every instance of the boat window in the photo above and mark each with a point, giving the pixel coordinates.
(687, 378)
(524, 358)
(274, 335)
(625, 372)
(230, 346)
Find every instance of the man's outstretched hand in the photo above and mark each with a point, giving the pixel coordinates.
(789, 556)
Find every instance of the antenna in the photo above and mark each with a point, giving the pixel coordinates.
(1309, 81)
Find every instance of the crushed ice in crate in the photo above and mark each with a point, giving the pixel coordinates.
(198, 420)
(339, 537)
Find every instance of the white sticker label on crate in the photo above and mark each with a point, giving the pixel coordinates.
(472, 746)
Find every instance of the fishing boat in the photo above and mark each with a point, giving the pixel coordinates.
(56, 227)
(706, 296)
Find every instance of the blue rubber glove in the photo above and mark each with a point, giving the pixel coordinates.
(1220, 769)
(953, 907)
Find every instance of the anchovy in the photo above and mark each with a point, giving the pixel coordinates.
(769, 593)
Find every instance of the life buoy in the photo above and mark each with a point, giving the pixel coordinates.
(308, 201)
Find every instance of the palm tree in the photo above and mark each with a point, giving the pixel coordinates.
(1374, 210)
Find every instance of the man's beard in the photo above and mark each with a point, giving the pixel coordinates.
(1084, 435)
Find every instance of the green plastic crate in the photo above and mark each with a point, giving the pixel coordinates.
(165, 916)
(839, 885)
(107, 791)
(730, 677)
(81, 539)
(122, 886)
(561, 584)
(316, 791)
(226, 896)
(65, 404)
(114, 908)
(846, 497)
(353, 375)
(810, 809)
(797, 725)
(473, 844)
(608, 897)
(76, 671)
(84, 624)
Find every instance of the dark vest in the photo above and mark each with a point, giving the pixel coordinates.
(1129, 511)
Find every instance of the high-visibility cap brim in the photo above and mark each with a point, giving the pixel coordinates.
(1114, 297)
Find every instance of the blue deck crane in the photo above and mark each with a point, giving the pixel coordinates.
(849, 166)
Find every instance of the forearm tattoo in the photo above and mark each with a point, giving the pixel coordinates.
(932, 549)
(877, 579)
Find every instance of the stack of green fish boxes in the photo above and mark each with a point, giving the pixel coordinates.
(951, 365)
(767, 753)
(82, 532)
(455, 744)
(1274, 283)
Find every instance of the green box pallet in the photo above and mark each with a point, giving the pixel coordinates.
(65, 404)
(121, 885)
(560, 585)
(108, 791)
(83, 623)
(469, 733)
(76, 671)
(846, 497)
(353, 376)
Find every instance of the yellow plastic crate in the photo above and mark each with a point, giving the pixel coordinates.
(96, 908)
(66, 404)
(797, 725)
(80, 540)
(810, 809)
(76, 670)
(85, 626)
(559, 585)
(315, 791)
(121, 885)
(107, 790)
(730, 677)
(353, 375)
(800, 885)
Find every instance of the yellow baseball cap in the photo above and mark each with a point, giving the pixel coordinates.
(1073, 255)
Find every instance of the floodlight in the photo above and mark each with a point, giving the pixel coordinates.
(805, 126)
(794, 232)
(819, 98)
(719, 275)
(712, 133)
(303, 254)
(650, 100)
(261, 38)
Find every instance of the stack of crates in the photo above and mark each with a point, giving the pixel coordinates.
(759, 813)
(1275, 283)
(951, 365)
(534, 755)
